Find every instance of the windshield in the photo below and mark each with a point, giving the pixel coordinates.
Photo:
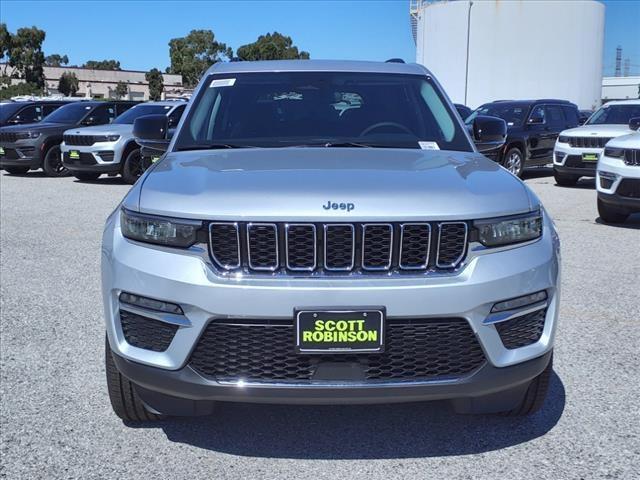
(128, 117)
(513, 114)
(281, 109)
(614, 115)
(72, 113)
(8, 109)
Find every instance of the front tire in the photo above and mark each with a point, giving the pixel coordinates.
(610, 214)
(535, 396)
(52, 163)
(86, 176)
(514, 161)
(125, 401)
(132, 167)
(17, 170)
(565, 180)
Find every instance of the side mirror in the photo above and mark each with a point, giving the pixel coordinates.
(90, 121)
(150, 131)
(535, 120)
(634, 123)
(489, 133)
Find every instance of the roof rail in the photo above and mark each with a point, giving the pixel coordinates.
(394, 60)
(236, 59)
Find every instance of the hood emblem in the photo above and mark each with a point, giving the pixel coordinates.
(339, 206)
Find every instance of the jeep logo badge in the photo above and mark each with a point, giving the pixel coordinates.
(338, 206)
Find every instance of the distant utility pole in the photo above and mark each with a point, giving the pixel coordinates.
(627, 65)
(618, 60)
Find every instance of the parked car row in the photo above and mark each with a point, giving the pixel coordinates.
(85, 139)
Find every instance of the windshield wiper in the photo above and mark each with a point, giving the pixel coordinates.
(212, 146)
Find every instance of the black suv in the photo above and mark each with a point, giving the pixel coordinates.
(16, 113)
(532, 129)
(37, 145)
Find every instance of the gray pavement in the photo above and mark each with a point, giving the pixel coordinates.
(56, 422)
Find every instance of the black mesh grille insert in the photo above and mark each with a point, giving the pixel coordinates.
(416, 242)
(147, 333)
(522, 331)
(377, 242)
(421, 349)
(225, 244)
(301, 247)
(452, 244)
(629, 187)
(9, 137)
(263, 246)
(339, 247)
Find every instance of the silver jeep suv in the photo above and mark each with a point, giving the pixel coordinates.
(325, 232)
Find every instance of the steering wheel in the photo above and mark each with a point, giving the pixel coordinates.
(375, 126)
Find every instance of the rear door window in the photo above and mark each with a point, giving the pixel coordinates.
(554, 117)
(571, 115)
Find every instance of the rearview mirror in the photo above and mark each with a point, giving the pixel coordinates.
(634, 123)
(151, 131)
(89, 121)
(489, 133)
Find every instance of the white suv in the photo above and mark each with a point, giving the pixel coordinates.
(618, 180)
(577, 150)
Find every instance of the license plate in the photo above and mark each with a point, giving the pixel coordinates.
(74, 154)
(589, 157)
(1, 151)
(339, 330)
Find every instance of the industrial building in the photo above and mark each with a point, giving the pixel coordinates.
(489, 50)
(102, 83)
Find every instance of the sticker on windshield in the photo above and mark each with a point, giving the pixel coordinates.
(222, 82)
(429, 146)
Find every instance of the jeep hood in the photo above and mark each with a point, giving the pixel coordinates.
(598, 131)
(108, 129)
(295, 183)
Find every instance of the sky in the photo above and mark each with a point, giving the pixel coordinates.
(137, 32)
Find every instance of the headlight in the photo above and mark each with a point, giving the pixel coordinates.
(112, 138)
(172, 232)
(509, 230)
(33, 134)
(614, 152)
(563, 139)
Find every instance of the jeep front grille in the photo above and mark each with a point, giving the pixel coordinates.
(588, 142)
(334, 248)
(632, 157)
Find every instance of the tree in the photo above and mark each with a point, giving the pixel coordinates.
(25, 54)
(156, 83)
(56, 60)
(193, 54)
(19, 89)
(102, 64)
(5, 47)
(68, 84)
(122, 90)
(272, 46)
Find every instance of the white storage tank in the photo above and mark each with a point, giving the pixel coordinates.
(487, 50)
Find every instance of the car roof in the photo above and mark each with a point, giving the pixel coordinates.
(317, 66)
(624, 102)
(540, 100)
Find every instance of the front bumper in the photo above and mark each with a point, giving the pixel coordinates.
(185, 392)
(101, 157)
(568, 160)
(187, 278)
(22, 153)
(612, 172)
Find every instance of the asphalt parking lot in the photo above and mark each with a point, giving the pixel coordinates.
(56, 421)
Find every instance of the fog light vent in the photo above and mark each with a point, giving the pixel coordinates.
(150, 303)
